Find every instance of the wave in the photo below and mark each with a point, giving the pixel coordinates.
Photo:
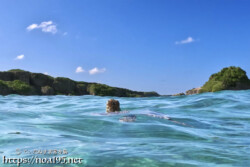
(217, 135)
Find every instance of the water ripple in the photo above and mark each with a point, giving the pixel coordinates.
(217, 133)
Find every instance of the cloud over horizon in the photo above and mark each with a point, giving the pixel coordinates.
(185, 41)
(46, 26)
(19, 57)
(96, 71)
(79, 69)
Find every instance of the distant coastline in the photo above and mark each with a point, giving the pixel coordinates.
(229, 78)
(22, 82)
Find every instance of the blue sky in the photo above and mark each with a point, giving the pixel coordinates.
(168, 46)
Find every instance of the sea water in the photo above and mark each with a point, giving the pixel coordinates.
(216, 130)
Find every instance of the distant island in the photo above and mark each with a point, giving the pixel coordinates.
(230, 78)
(22, 82)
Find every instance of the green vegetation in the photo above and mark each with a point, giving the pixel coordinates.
(17, 70)
(101, 90)
(64, 86)
(81, 88)
(63, 79)
(3, 85)
(231, 78)
(148, 94)
(17, 81)
(4, 89)
(22, 82)
(105, 90)
(16, 86)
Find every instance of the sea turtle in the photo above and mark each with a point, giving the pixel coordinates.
(128, 118)
(113, 107)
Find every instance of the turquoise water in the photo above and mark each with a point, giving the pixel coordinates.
(217, 131)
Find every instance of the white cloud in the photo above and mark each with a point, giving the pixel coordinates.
(46, 73)
(19, 57)
(79, 70)
(185, 41)
(32, 27)
(46, 26)
(96, 71)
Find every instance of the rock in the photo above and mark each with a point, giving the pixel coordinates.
(179, 94)
(39, 80)
(47, 90)
(64, 86)
(113, 106)
(22, 76)
(6, 76)
(230, 78)
(81, 88)
(4, 89)
(241, 86)
(193, 91)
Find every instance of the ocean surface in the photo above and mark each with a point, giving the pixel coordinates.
(211, 129)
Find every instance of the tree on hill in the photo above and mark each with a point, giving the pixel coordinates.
(230, 78)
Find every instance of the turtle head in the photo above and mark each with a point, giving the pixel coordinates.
(113, 106)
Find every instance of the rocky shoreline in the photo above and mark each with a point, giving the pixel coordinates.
(230, 78)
